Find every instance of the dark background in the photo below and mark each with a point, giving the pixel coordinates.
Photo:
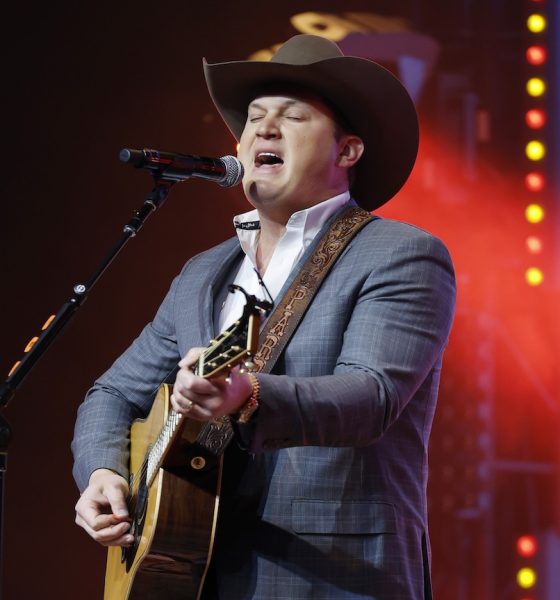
(82, 80)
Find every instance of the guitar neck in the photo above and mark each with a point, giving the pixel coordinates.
(163, 443)
(230, 348)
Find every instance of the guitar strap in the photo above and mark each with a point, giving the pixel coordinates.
(288, 313)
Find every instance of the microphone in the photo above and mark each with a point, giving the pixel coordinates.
(170, 166)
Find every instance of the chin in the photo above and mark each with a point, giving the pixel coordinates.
(261, 193)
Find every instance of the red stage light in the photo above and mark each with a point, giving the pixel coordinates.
(535, 118)
(534, 244)
(526, 546)
(536, 55)
(534, 182)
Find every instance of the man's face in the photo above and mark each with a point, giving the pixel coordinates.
(291, 155)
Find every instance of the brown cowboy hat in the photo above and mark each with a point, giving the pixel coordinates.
(373, 102)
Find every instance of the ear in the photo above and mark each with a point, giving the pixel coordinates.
(350, 149)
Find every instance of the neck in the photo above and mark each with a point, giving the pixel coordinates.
(273, 227)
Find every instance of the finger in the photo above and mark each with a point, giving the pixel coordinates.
(198, 413)
(181, 404)
(109, 531)
(191, 357)
(191, 409)
(101, 509)
(92, 508)
(190, 385)
(117, 500)
(114, 535)
(97, 521)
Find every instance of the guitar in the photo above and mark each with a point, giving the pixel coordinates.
(175, 467)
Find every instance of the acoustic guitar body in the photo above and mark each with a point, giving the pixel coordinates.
(173, 519)
(176, 468)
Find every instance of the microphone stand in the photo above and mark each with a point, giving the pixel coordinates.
(56, 323)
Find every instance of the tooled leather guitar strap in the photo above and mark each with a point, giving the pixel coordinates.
(288, 313)
(283, 321)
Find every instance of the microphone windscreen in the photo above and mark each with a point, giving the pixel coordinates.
(131, 157)
(234, 171)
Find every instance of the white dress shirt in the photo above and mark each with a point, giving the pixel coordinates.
(301, 228)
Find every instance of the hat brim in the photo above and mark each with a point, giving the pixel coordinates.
(373, 102)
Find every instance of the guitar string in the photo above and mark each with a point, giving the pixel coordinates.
(139, 475)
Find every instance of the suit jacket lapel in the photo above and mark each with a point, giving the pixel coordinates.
(214, 289)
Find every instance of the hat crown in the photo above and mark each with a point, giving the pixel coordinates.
(306, 49)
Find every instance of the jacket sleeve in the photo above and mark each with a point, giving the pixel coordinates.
(393, 343)
(122, 394)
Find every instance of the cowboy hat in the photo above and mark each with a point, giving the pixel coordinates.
(372, 102)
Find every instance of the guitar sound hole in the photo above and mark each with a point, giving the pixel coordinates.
(137, 507)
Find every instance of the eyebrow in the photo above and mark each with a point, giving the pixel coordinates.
(288, 102)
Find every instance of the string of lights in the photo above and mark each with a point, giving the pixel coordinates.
(536, 118)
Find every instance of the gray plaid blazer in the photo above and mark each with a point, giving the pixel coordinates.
(327, 498)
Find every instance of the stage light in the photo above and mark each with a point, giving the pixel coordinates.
(534, 182)
(536, 55)
(30, 344)
(536, 23)
(535, 150)
(534, 213)
(534, 244)
(48, 322)
(526, 578)
(13, 369)
(526, 546)
(534, 276)
(535, 118)
(536, 87)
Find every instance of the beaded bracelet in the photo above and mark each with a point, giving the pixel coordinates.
(247, 410)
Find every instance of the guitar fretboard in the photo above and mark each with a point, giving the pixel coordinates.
(162, 443)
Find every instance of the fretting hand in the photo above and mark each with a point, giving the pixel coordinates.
(206, 399)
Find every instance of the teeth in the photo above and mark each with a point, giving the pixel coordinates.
(268, 158)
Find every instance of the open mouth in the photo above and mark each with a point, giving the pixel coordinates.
(267, 159)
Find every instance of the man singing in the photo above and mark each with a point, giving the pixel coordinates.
(324, 492)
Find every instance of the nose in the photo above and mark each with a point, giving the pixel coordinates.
(268, 128)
